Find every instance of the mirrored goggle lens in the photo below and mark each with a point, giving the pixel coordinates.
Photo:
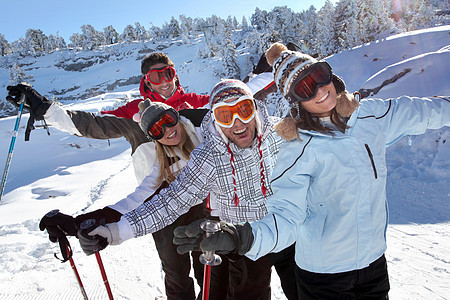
(305, 87)
(156, 76)
(168, 119)
(226, 114)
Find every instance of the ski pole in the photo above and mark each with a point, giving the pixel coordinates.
(102, 271)
(88, 226)
(11, 146)
(74, 268)
(209, 258)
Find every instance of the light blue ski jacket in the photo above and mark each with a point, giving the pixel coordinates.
(330, 191)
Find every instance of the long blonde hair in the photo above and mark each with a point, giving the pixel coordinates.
(167, 156)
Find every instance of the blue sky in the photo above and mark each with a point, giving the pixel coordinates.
(66, 17)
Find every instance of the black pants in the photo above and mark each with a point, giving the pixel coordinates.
(179, 286)
(248, 279)
(369, 283)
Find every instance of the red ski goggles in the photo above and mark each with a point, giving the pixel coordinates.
(168, 118)
(307, 83)
(225, 113)
(156, 76)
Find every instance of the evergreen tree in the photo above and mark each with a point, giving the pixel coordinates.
(256, 46)
(5, 47)
(373, 20)
(244, 24)
(155, 32)
(141, 33)
(259, 19)
(128, 35)
(77, 41)
(325, 42)
(172, 29)
(17, 75)
(91, 38)
(309, 18)
(346, 34)
(186, 25)
(227, 50)
(419, 15)
(111, 35)
(35, 41)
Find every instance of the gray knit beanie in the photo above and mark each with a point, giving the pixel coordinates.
(148, 113)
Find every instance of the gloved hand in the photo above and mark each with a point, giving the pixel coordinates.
(58, 225)
(97, 238)
(230, 239)
(34, 102)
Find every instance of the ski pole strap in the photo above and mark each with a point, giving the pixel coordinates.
(30, 126)
(65, 248)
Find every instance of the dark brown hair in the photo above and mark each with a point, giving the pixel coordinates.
(153, 59)
(307, 121)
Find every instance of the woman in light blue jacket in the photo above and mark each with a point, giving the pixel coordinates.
(329, 183)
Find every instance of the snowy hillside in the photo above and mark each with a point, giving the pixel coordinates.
(79, 175)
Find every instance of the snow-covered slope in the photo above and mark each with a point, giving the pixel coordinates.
(79, 175)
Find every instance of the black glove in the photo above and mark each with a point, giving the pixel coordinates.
(230, 239)
(34, 102)
(57, 225)
(91, 243)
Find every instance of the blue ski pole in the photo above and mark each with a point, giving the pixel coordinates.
(11, 147)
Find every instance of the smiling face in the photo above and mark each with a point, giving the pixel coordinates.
(241, 134)
(172, 135)
(165, 89)
(324, 101)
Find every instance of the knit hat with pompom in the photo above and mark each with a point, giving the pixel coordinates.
(148, 113)
(287, 65)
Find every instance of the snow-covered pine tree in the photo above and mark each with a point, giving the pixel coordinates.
(419, 15)
(111, 35)
(325, 42)
(309, 19)
(256, 46)
(259, 19)
(128, 35)
(91, 38)
(244, 25)
(5, 47)
(77, 41)
(141, 32)
(227, 51)
(186, 28)
(374, 20)
(346, 28)
(35, 41)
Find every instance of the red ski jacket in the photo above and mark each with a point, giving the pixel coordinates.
(179, 100)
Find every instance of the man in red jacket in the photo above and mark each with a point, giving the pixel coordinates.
(160, 84)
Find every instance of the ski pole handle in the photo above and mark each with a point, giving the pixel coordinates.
(87, 226)
(209, 257)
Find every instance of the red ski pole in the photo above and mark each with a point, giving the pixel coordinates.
(74, 268)
(102, 271)
(208, 258)
(87, 226)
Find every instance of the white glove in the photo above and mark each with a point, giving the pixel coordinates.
(110, 232)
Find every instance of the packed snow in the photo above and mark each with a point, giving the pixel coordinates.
(78, 175)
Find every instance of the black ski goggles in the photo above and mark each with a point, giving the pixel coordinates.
(168, 118)
(307, 83)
